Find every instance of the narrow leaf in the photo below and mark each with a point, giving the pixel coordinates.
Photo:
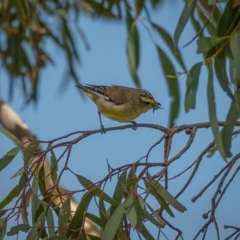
(113, 223)
(220, 70)
(3, 228)
(131, 212)
(50, 223)
(54, 166)
(77, 218)
(166, 37)
(9, 197)
(192, 86)
(206, 43)
(64, 217)
(166, 195)
(172, 84)
(146, 234)
(19, 228)
(118, 192)
(186, 13)
(232, 116)
(10, 136)
(101, 194)
(213, 114)
(6, 159)
(133, 50)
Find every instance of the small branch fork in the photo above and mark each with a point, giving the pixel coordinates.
(143, 165)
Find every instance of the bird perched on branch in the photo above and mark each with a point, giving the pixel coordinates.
(122, 104)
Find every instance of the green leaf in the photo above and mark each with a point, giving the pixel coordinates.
(146, 234)
(33, 234)
(21, 227)
(28, 155)
(227, 130)
(154, 217)
(50, 223)
(102, 213)
(101, 194)
(9, 197)
(3, 228)
(3, 212)
(21, 184)
(118, 192)
(64, 217)
(166, 37)
(166, 195)
(158, 197)
(35, 202)
(94, 218)
(29, 152)
(54, 166)
(130, 211)
(186, 13)
(172, 84)
(192, 86)
(77, 218)
(113, 223)
(235, 48)
(213, 114)
(229, 19)
(6, 159)
(18, 173)
(140, 5)
(133, 50)
(10, 136)
(206, 43)
(220, 70)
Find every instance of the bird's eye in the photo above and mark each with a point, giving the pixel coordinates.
(145, 99)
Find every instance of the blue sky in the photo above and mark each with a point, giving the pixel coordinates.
(60, 112)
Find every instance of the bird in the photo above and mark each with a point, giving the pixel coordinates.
(119, 103)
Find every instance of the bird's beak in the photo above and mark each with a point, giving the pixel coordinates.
(156, 106)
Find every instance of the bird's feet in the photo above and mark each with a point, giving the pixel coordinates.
(102, 129)
(134, 125)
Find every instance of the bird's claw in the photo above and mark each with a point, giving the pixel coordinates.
(134, 125)
(102, 130)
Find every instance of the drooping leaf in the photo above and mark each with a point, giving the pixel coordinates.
(10, 136)
(6, 159)
(235, 49)
(118, 192)
(166, 37)
(206, 43)
(102, 213)
(133, 50)
(50, 223)
(3, 228)
(131, 212)
(64, 217)
(54, 166)
(186, 13)
(101, 194)
(152, 190)
(166, 195)
(172, 84)
(113, 223)
(12, 194)
(77, 218)
(232, 116)
(146, 234)
(213, 114)
(220, 70)
(192, 86)
(19, 228)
